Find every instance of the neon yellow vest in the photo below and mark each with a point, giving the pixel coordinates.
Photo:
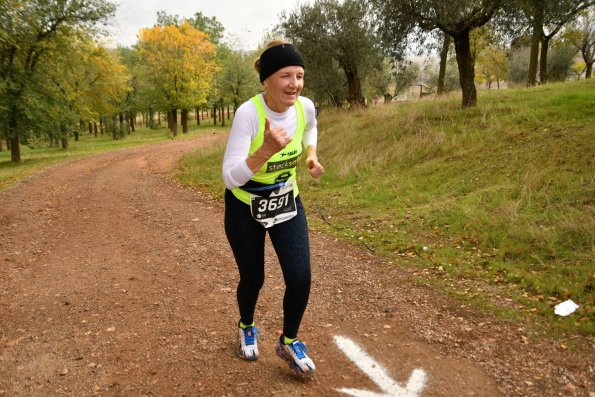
(282, 162)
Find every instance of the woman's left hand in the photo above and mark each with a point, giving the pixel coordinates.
(314, 167)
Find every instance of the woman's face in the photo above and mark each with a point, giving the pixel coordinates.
(283, 87)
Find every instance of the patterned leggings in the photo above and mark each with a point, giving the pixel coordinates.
(290, 240)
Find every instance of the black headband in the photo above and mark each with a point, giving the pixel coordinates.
(278, 57)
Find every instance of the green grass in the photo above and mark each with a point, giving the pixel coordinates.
(500, 196)
(39, 155)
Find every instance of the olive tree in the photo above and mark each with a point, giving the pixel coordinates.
(335, 38)
(547, 18)
(455, 18)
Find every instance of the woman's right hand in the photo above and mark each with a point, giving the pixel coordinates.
(274, 139)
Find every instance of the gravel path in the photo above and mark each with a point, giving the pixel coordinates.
(117, 281)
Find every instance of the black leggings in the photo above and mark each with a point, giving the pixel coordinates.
(290, 240)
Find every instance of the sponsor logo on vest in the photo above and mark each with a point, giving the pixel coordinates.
(292, 153)
(283, 177)
(275, 166)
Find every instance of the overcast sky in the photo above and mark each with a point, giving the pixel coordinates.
(248, 19)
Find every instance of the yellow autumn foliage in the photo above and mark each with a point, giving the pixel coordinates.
(182, 61)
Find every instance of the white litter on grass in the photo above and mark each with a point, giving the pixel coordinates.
(565, 308)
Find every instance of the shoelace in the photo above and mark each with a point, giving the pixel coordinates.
(300, 349)
(250, 334)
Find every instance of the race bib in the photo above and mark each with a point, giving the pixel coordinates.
(277, 208)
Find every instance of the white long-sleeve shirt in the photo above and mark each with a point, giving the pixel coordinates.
(245, 128)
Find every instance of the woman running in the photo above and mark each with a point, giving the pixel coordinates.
(259, 171)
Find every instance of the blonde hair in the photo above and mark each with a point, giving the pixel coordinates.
(272, 44)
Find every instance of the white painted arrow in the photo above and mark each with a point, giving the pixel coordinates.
(379, 374)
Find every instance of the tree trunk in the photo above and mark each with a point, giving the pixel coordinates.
(354, 87)
(64, 137)
(589, 70)
(101, 122)
(545, 43)
(185, 121)
(114, 129)
(443, 59)
(174, 121)
(214, 115)
(222, 114)
(197, 112)
(535, 40)
(95, 128)
(13, 133)
(15, 149)
(90, 127)
(121, 123)
(228, 112)
(466, 69)
(132, 116)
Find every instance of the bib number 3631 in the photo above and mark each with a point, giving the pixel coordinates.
(278, 207)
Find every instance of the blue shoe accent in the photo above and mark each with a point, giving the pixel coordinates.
(248, 343)
(296, 356)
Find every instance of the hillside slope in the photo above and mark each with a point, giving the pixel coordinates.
(498, 196)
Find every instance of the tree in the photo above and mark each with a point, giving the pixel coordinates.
(488, 51)
(209, 25)
(182, 61)
(581, 34)
(560, 61)
(240, 80)
(493, 64)
(450, 79)
(446, 43)
(405, 74)
(547, 18)
(28, 30)
(455, 18)
(329, 34)
(577, 69)
(112, 89)
(518, 66)
(379, 81)
(214, 31)
(143, 96)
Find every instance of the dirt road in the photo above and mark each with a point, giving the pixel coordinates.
(117, 281)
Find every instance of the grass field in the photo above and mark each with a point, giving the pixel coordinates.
(496, 201)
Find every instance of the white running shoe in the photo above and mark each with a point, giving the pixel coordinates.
(296, 356)
(247, 343)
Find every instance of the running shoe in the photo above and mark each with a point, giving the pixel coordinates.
(247, 343)
(296, 356)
